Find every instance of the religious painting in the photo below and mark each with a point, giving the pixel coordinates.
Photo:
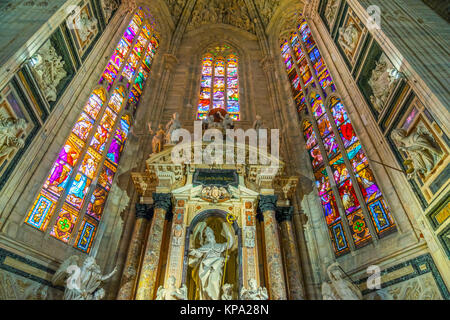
(357, 157)
(340, 170)
(108, 119)
(322, 181)
(86, 235)
(367, 184)
(331, 146)
(89, 164)
(114, 151)
(316, 105)
(106, 176)
(324, 126)
(305, 71)
(316, 157)
(41, 211)
(83, 126)
(99, 139)
(83, 27)
(339, 238)
(350, 35)
(329, 207)
(97, 202)
(115, 102)
(348, 196)
(310, 138)
(130, 68)
(219, 68)
(337, 109)
(64, 224)
(358, 226)
(381, 216)
(78, 190)
(347, 134)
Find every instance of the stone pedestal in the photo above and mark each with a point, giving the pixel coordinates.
(144, 213)
(150, 262)
(294, 275)
(276, 285)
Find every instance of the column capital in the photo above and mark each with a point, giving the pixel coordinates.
(284, 214)
(162, 200)
(267, 203)
(144, 210)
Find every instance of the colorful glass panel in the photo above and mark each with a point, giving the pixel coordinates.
(380, 216)
(65, 223)
(359, 230)
(339, 238)
(86, 235)
(41, 211)
(322, 181)
(348, 196)
(347, 134)
(97, 203)
(340, 171)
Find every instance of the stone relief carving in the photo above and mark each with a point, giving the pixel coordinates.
(15, 287)
(172, 292)
(423, 151)
(348, 38)
(340, 288)
(83, 283)
(331, 10)
(48, 69)
(215, 193)
(382, 82)
(175, 7)
(253, 292)
(232, 12)
(227, 290)
(10, 132)
(249, 236)
(109, 6)
(266, 9)
(85, 25)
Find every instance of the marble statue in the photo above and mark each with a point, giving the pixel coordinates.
(227, 122)
(253, 292)
(421, 149)
(348, 37)
(83, 283)
(48, 69)
(172, 125)
(227, 290)
(382, 82)
(331, 10)
(10, 130)
(158, 138)
(172, 292)
(85, 25)
(109, 6)
(340, 288)
(208, 260)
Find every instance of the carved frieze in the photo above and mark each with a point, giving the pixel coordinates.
(382, 81)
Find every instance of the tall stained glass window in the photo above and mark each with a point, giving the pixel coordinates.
(354, 208)
(219, 83)
(71, 201)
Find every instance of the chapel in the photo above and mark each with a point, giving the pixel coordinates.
(224, 150)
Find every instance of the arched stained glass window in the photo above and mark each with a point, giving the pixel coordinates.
(353, 205)
(79, 181)
(219, 83)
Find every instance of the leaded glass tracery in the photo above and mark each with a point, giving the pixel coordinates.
(353, 205)
(78, 184)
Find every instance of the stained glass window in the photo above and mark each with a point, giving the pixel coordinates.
(352, 202)
(219, 83)
(77, 186)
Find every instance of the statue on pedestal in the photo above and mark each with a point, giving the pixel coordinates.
(158, 138)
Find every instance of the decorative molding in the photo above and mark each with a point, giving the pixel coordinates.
(162, 201)
(144, 211)
(267, 203)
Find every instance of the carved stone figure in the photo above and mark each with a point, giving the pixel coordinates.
(421, 148)
(109, 6)
(48, 69)
(83, 283)
(340, 288)
(172, 292)
(214, 193)
(253, 292)
(382, 82)
(266, 9)
(172, 125)
(249, 236)
(258, 123)
(85, 25)
(227, 122)
(158, 138)
(227, 290)
(208, 261)
(10, 141)
(348, 37)
(331, 10)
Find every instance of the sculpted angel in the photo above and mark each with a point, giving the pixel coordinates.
(208, 261)
(172, 292)
(253, 292)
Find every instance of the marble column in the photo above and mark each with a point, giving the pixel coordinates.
(144, 213)
(277, 284)
(150, 263)
(294, 275)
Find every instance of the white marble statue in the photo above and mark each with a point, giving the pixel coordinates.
(227, 122)
(382, 81)
(172, 125)
(85, 25)
(108, 7)
(10, 141)
(340, 288)
(208, 260)
(348, 37)
(48, 69)
(81, 283)
(227, 290)
(331, 10)
(421, 149)
(253, 292)
(172, 292)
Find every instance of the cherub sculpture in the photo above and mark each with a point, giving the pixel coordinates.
(81, 283)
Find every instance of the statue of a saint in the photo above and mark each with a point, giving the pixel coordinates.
(172, 125)
(208, 261)
(253, 292)
(10, 129)
(227, 289)
(172, 292)
(158, 138)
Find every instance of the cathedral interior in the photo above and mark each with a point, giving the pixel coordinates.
(343, 104)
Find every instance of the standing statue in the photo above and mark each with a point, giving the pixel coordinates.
(158, 138)
(340, 288)
(421, 149)
(258, 123)
(253, 292)
(172, 125)
(172, 292)
(348, 37)
(10, 141)
(83, 283)
(227, 122)
(208, 261)
(382, 82)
